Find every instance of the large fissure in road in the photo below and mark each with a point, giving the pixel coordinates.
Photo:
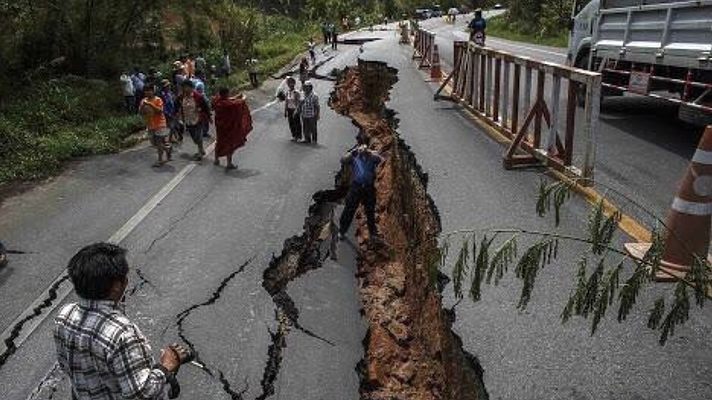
(410, 349)
(300, 254)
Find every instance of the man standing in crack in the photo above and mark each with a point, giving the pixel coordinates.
(364, 163)
(104, 354)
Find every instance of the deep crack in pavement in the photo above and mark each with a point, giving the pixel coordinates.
(180, 319)
(300, 254)
(410, 348)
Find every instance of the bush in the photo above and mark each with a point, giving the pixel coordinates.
(58, 120)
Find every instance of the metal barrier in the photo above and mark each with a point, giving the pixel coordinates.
(488, 82)
(423, 48)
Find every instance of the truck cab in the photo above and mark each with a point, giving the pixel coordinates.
(583, 18)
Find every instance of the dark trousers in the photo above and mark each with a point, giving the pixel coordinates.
(295, 124)
(130, 104)
(309, 129)
(334, 39)
(366, 196)
(326, 37)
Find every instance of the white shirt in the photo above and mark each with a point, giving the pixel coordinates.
(127, 87)
(293, 99)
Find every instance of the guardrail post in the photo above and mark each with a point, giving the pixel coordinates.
(553, 136)
(590, 128)
(497, 87)
(481, 89)
(570, 123)
(540, 80)
(515, 99)
(505, 95)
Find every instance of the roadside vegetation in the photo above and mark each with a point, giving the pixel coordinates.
(542, 22)
(501, 27)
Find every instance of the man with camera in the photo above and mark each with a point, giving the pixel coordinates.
(364, 163)
(104, 354)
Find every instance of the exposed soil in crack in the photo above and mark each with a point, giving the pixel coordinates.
(411, 351)
(300, 254)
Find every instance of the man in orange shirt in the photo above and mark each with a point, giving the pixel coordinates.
(152, 110)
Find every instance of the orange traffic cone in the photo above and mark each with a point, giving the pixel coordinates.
(435, 72)
(688, 223)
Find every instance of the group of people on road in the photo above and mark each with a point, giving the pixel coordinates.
(330, 31)
(180, 104)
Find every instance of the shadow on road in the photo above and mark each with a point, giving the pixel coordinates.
(652, 120)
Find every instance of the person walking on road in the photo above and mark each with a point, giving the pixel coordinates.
(194, 110)
(152, 110)
(104, 354)
(311, 45)
(127, 90)
(292, 101)
(310, 113)
(478, 26)
(233, 123)
(138, 79)
(303, 71)
(325, 32)
(334, 30)
(169, 110)
(362, 191)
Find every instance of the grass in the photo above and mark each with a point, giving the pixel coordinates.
(499, 27)
(58, 120)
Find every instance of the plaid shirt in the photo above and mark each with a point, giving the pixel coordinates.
(310, 106)
(104, 354)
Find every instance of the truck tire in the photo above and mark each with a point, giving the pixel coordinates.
(693, 116)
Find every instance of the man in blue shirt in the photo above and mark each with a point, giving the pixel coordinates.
(364, 163)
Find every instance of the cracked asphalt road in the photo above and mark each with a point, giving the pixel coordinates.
(200, 235)
(212, 223)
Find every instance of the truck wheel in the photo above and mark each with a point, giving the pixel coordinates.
(693, 116)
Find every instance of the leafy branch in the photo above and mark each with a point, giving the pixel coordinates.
(487, 255)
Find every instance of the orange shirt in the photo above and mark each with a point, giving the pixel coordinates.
(155, 120)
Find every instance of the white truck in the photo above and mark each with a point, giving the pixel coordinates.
(656, 48)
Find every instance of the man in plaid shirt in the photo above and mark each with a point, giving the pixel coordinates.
(104, 354)
(310, 112)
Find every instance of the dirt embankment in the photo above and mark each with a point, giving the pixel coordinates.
(410, 349)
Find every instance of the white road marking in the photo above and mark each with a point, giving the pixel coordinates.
(65, 288)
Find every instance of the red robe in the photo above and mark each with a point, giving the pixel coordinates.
(233, 123)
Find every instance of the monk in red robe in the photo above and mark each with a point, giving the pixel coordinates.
(233, 123)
